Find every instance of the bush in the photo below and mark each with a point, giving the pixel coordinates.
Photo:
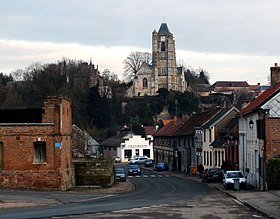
(273, 173)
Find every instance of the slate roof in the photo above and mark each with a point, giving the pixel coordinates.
(231, 128)
(201, 87)
(218, 116)
(259, 101)
(164, 28)
(116, 140)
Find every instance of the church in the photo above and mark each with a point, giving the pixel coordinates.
(163, 71)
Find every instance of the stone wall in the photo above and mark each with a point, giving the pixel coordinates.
(94, 172)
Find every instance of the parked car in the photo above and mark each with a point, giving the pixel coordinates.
(213, 175)
(138, 160)
(117, 159)
(134, 169)
(120, 174)
(149, 163)
(229, 176)
(161, 166)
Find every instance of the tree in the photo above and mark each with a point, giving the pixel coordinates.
(134, 62)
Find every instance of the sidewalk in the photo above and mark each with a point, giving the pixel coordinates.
(266, 203)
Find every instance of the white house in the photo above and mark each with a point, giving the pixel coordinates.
(125, 145)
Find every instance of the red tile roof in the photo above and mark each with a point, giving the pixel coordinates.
(170, 128)
(185, 126)
(196, 120)
(259, 101)
(150, 130)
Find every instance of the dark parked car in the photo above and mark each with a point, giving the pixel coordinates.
(134, 169)
(149, 163)
(213, 175)
(161, 167)
(120, 174)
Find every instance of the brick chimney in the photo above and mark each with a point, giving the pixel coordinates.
(275, 74)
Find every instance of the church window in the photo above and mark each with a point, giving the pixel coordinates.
(162, 46)
(163, 71)
(145, 83)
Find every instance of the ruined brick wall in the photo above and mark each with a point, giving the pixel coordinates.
(19, 169)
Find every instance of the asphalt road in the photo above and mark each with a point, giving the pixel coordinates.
(156, 195)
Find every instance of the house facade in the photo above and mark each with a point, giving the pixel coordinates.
(126, 145)
(213, 153)
(35, 146)
(259, 128)
(83, 144)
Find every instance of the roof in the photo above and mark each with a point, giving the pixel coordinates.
(201, 87)
(230, 84)
(145, 69)
(260, 100)
(195, 120)
(116, 140)
(186, 125)
(164, 28)
(170, 129)
(218, 116)
(230, 129)
(150, 130)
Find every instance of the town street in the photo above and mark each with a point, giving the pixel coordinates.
(154, 195)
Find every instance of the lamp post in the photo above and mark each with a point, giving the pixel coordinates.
(251, 124)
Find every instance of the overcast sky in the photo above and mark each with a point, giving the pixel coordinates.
(232, 40)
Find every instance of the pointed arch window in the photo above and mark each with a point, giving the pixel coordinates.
(162, 46)
(145, 83)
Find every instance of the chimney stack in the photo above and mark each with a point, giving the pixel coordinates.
(275, 74)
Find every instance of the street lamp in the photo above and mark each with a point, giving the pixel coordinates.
(251, 124)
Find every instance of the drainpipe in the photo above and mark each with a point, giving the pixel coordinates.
(264, 152)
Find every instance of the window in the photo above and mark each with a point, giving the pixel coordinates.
(204, 135)
(128, 153)
(146, 152)
(210, 136)
(137, 152)
(145, 83)
(39, 152)
(162, 46)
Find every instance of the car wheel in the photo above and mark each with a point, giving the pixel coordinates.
(226, 187)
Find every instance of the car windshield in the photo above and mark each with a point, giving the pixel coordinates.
(134, 167)
(119, 170)
(234, 174)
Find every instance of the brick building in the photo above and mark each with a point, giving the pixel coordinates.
(35, 146)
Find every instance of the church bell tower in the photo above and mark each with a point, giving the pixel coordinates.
(164, 59)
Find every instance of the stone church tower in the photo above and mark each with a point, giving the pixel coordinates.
(163, 72)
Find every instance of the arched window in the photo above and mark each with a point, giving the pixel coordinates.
(145, 83)
(162, 46)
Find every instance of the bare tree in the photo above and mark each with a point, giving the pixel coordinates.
(134, 62)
